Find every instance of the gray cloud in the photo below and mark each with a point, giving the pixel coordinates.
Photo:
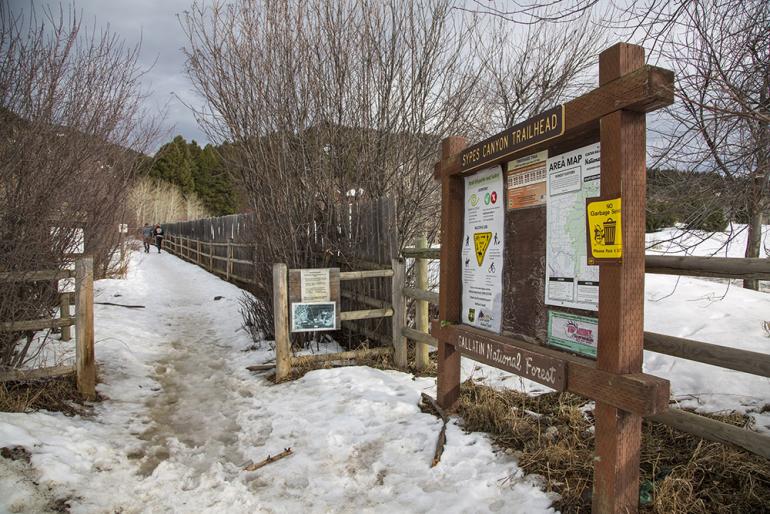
(155, 24)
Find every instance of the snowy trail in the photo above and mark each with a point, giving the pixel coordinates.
(182, 415)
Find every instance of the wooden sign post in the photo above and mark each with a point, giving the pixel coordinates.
(612, 115)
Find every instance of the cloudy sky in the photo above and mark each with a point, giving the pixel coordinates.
(155, 24)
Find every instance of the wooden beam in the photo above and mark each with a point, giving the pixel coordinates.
(64, 313)
(35, 276)
(421, 294)
(644, 89)
(27, 375)
(450, 290)
(85, 361)
(422, 253)
(281, 322)
(366, 314)
(358, 275)
(714, 430)
(720, 267)
(420, 337)
(639, 393)
(422, 306)
(621, 293)
(736, 359)
(366, 300)
(398, 319)
(353, 354)
(35, 324)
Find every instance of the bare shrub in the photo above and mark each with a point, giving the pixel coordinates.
(71, 130)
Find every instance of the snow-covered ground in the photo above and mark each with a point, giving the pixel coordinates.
(182, 416)
(710, 310)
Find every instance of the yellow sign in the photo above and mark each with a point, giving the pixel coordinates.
(481, 243)
(604, 232)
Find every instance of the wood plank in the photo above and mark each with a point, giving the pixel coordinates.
(85, 361)
(483, 347)
(422, 253)
(398, 318)
(720, 267)
(353, 354)
(366, 314)
(421, 294)
(642, 90)
(621, 294)
(736, 359)
(358, 275)
(28, 375)
(420, 337)
(450, 290)
(422, 306)
(713, 430)
(35, 276)
(281, 322)
(64, 313)
(35, 324)
(639, 393)
(366, 300)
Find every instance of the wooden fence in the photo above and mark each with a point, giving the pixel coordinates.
(754, 363)
(85, 364)
(218, 258)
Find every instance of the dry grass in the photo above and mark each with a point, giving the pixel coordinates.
(552, 436)
(55, 394)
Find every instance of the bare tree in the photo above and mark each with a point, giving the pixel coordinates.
(720, 52)
(528, 70)
(70, 135)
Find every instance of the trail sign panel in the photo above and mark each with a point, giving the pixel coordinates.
(551, 242)
(314, 295)
(546, 125)
(314, 284)
(528, 364)
(571, 281)
(605, 230)
(482, 253)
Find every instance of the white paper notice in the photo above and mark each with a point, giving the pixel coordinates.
(314, 284)
(482, 251)
(570, 281)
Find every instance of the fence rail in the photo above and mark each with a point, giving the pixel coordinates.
(754, 363)
(85, 364)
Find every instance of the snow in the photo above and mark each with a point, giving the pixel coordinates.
(714, 311)
(182, 416)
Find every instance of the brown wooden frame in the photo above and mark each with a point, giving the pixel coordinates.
(616, 112)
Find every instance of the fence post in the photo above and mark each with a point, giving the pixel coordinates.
(85, 364)
(621, 296)
(399, 314)
(198, 252)
(229, 256)
(211, 257)
(421, 306)
(64, 313)
(281, 321)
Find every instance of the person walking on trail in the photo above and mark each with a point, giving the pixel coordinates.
(147, 233)
(158, 232)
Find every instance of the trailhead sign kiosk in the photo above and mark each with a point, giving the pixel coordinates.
(542, 259)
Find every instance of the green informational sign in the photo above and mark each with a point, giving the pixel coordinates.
(578, 334)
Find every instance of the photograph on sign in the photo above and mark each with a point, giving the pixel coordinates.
(526, 181)
(578, 334)
(314, 285)
(482, 250)
(313, 317)
(604, 230)
(572, 178)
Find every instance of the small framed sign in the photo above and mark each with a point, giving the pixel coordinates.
(313, 317)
